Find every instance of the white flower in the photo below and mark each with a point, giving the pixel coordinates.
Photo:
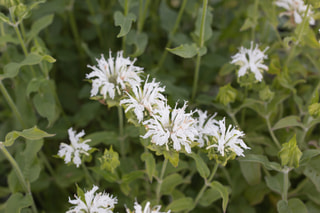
(93, 203)
(250, 59)
(144, 99)
(295, 9)
(229, 140)
(75, 149)
(147, 209)
(113, 76)
(174, 127)
(206, 126)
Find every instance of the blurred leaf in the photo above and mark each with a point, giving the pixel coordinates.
(32, 134)
(223, 193)
(275, 183)
(255, 194)
(307, 155)
(289, 121)
(263, 160)
(312, 171)
(127, 178)
(227, 94)
(104, 137)
(8, 39)
(170, 182)
(17, 201)
(139, 40)
(167, 16)
(4, 18)
(106, 175)
(39, 25)
(207, 25)
(180, 205)
(251, 172)
(293, 205)
(124, 22)
(150, 163)
(185, 50)
(201, 165)
(209, 196)
(248, 23)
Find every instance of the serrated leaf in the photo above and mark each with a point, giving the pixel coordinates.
(39, 25)
(32, 134)
(201, 165)
(17, 202)
(180, 205)
(289, 121)
(185, 50)
(223, 193)
(170, 182)
(150, 163)
(263, 160)
(124, 22)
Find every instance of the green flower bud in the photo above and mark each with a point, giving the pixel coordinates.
(314, 109)
(109, 160)
(266, 94)
(290, 153)
(227, 94)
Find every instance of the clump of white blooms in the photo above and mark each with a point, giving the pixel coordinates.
(206, 126)
(113, 75)
(171, 127)
(77, 147)
(250, 59)
(93, 203)
(147, 209)
(145, 99)
(296, 9)
(227, 140)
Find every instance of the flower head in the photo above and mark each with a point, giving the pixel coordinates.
(296, 10)
(75, 149)
(228, 140)
(113, 76)
(145, 99)
(171, 127)
(206, 126)
(93, 203)
(147, 209)
(250, 59)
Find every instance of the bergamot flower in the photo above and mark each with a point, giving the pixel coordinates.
(174, 128)
(93, 202)
(250, 59)
(295, 10)
(147, 208)
(206, 126)
(228, 140)
(77, 147)
(111, 77)
(144, 100)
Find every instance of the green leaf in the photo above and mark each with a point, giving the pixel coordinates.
(31, 166)
(34, 85)
(80, 193)
(110, 160)
(312, 171)
(39, 25)
(4, 18)
(106, 175)
(275, 183)
(293, 205)
(248, 23)
(150, 163)
(289, 121)
(12, 69)
(180, 205)
(209, 196)
(255, 194)
(139, 40)
(124, 22)
(201, 165)
(8, 39)
(167, 17)
(263, 160)
(207, 25)
(251, 172)
(307, 155)
(17, 202)
(185, 50)
(290, 153)
(223, 193)
(127, 178)
(104, 137)
(32, 134)
(170, 182)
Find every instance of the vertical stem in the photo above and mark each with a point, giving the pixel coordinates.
(201, 43)
(12, 105)
(86, 171)
(124, 38)
(285, 184)
(256, 3)
(23, 182)
(271, 132)
(121, 132)
(142, 14)
(164, 166)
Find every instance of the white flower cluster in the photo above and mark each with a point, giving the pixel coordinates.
(93, 203)
(147, 209)
(75, 149)
(296, 9)
(250, 59)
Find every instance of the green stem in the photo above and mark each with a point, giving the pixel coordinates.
(160, 180)
(172, 33)
(86, 171)
(74, 28)
(271, 132)
(243, 113)
(12, 105)
(206, 184)
(23, 182)
(124, 38)
(121, 130)
(256, 3)
(285, 184)
(201, 43)
(142, 14)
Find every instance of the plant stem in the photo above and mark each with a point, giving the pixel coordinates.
(12, 105)
(201, 43)
(142, 14)
(285, 184)
(172, 33)
(271, 132)
(160, 180)
(86, 171)
(23, 182)
(124, 38)
(205, 185)
(121, 132)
